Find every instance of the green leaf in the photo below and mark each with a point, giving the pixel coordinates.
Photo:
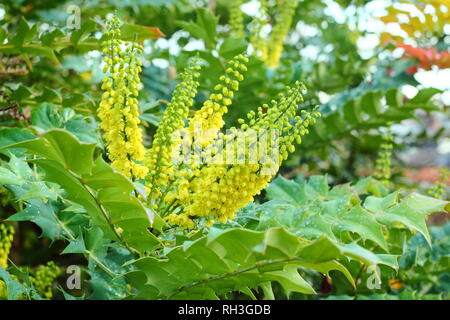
(9, 136)
(321, 250)
(425, 204)
(361, 109)
(46, 116)
(394, 97)
(290, 280)
(284, 189)
(41, 51)
(14, 288)
(232, 260)
(406, 215)
(412, 212)
(88, 181)
(378, 205)
(232, 47)
(204, 27)
(351, 112)
(3, 35)
(54, 223)
(48, 95)
(371, 103)
(85, 29)
(95, 244)
(21, 93)
(49, 38)
(64, 148)
(249, 292)
(363, 255)
(131, 32)
(310, 210)
(319, 184)
(38, 190)
(364, 224)
(267, 289)
(424, 95)
(151, 118)
(24, 33)
(43, 214)
(8, 177)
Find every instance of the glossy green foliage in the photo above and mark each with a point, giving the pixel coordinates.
(361, 213)
(234, 260)
(370, 110)
(27, 40)
(88, 181)
(298, 235)
(427, 270)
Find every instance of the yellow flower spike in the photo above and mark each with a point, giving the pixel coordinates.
(118, 111)
(280, 31)
(159, 158)
(236, 19)
(383, 163)
(6, 239)
(209, 118)
(181, 220)
(256, 38)
(43, 278)
(270, 50)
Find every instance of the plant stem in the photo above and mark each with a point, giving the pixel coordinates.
(90, 254)
(231, 274)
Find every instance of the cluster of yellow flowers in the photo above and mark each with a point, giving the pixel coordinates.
(203, 129)
(159, 158)
(221, 173)
(6, 239)
(257, 38)
(118, 109)
(280, 31)
(43, 277)
(383, 162)
(439, 189)
(208, 120)
(219, 190)
(236, 19)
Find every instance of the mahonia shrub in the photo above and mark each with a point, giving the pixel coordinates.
(189, 208)
(118, 110)
(194, 170)
(236, 19)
